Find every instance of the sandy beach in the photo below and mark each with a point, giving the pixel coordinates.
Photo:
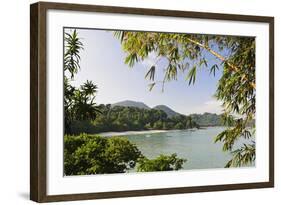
(111, 134)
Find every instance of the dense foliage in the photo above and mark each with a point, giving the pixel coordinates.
(184, 54)
(79, 104)
(87, 154)
(207, 119)
(161, 163)
(119, 118)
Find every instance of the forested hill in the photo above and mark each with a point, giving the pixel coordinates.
(167, 110)
(127, 118)
(121, 118)
(207, 119)
(130, 103)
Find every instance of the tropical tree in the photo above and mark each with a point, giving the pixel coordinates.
(183, 54)
(78, 102)
(88, 154)
(72, 49)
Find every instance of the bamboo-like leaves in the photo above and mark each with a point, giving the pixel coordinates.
(203, 61)
(151, 86)
(191, 77)
(171, 72)
(119, 35)
(243, 156)
(151, 73)
(131, 59)
(213, 69)
(236, 87)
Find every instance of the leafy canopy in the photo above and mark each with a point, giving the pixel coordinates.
(88, 154)
(161, 163)
(184, 54)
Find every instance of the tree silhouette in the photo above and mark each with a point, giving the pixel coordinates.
(78, 102)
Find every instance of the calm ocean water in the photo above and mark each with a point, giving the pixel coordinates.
(197, 147)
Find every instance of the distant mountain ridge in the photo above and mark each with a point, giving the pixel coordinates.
(206, 119)
(130, 103)
(167, 110)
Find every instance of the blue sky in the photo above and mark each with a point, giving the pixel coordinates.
(102, 61)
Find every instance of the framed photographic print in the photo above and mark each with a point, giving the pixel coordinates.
(134, 102)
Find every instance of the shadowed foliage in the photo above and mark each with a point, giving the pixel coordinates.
(78, 102)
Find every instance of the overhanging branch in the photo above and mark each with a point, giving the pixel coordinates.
(222, 58)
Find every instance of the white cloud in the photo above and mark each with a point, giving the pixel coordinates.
(211, 106)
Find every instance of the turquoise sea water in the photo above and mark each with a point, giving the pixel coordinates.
(196, 146)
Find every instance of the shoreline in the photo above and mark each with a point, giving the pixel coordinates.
(124, 133)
